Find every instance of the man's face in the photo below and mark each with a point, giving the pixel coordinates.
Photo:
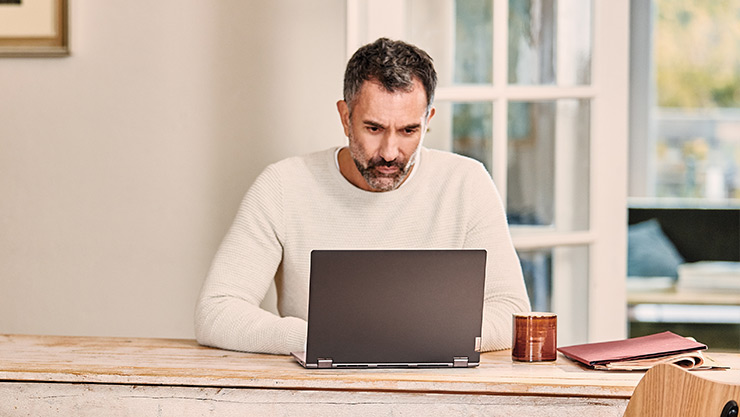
(385, 131)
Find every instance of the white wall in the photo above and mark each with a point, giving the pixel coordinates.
(121, 166)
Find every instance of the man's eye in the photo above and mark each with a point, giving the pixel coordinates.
(373, 128)
(410, 131)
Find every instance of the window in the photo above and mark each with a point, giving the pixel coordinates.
(536, 90)
(684, 182)
(687, 71)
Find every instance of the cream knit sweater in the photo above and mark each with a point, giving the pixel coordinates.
(304, 203)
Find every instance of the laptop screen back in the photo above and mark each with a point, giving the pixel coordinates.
(395, 307)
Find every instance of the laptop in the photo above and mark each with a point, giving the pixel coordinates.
(394, 308)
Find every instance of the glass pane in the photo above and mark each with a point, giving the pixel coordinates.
(697, 154)
(548, 169)
(473, 42)
(458, 34)
(696, 149)
(547, 273)
(709, 76)
(542, 51)
(472, 131)
(537, 270)
(463, 128)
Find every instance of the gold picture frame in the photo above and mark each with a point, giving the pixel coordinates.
(33, 28)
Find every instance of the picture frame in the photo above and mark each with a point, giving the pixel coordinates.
(34, 28)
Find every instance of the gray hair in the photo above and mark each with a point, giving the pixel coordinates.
(394, 64)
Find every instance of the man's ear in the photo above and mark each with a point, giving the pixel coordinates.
(344, 115)
(432, 111)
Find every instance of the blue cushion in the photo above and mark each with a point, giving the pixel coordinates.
(650, 253)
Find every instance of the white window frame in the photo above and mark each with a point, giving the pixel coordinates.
(608, 95)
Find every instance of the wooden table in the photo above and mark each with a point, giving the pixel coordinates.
(81, 376)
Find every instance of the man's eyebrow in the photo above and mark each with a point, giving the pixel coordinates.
(411, 126)
(372, 123)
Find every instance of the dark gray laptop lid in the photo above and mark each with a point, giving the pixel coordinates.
(395, 307)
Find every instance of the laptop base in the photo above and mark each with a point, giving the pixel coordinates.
(458, 362)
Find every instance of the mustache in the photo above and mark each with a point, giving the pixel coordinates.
(380, 162)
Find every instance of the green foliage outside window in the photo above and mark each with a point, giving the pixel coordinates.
(697, 51)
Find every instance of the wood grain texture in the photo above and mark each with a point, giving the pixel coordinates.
(667, 390)
(179, 377)
(81, 400)
(184, 362)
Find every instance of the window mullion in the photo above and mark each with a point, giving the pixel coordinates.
(499, 158)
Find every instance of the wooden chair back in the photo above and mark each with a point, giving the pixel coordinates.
(669, 390)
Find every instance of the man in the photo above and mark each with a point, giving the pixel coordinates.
(382, 191)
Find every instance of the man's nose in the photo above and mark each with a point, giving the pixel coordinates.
(389, 147)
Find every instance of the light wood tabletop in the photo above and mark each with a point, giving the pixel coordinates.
(180, 377)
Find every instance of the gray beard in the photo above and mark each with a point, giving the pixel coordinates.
(375, 181)
(369, 174)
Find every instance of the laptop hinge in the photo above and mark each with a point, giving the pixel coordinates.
(325, 362)
(460, 362)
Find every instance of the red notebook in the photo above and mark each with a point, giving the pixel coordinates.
(644, 347)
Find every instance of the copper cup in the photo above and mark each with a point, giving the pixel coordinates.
(534, 337)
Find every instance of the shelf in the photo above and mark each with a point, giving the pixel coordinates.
(682, 203)
(671, 296)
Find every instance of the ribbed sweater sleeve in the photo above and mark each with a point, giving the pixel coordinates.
(228, 314)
